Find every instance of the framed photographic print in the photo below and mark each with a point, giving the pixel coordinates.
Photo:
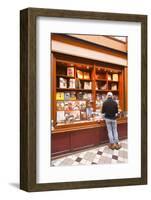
(83, 99)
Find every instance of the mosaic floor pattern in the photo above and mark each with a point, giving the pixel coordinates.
(98, 155)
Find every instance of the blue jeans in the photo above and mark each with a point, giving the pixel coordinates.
(112, 130)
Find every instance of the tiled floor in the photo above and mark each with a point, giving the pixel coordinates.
(99, 155)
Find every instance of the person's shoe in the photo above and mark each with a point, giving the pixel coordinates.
(117, 146)
(112, 146)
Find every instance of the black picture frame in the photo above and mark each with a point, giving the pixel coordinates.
(28, 98)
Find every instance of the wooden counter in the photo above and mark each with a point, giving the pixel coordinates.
(66, 139)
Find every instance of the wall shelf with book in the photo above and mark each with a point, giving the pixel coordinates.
(80, 89)
(73, 89)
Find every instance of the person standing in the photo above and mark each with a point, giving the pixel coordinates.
(110, 111)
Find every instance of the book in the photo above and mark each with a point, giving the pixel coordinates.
(60, 116)
(103, 97)
(72, 95)
(115, 98)
(115, 77)
(72, 116)
(71, 105)
(89, 112)
(82, 105)
(96, 86)
(62, 83)
(68, 106)
(71, 83)
(60, 105)
(88, 85)
(89, 104)
(109, 77)
(98, 111)
(83, 115)
(77, 84)
(98, 114)
(114, 86)
(98, 104)
(86, 75)
(70, 71)
(67, 96)
(80, 96)
(60, 96)
(87, 96)
(103, 87)
(79, 74)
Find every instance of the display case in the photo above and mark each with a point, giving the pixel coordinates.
(80, 89)
(80, 80)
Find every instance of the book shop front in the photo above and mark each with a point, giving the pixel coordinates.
(84, 68)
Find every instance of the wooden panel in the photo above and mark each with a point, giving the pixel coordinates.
(93, 88)
(60, 143)
(104, 41)
(121, 90)
(76, 140)
(61, 47)
(122, 130)
(53, 88)
(103, 135)
(126, 88)
(84, 138)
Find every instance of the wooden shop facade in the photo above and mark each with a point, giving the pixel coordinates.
(83, 69)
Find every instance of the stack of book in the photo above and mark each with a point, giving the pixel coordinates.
(71, 105)
(115, 77)
(88, 85)
(79, 74)
(103, 87)
(82, 105)
(83, 115)
(89, 112)
(86, 75)
(77, 84)
(72, 116)
(99, 104)
(60, 105)
(87, 96)
(60, 116)
(96, 86)
(109, 77)
(60, 96)
(62, 83)
(70, 96)
(114, 86)
(71, 83)
(80, 96)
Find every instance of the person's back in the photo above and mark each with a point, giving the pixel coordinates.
(110, 108)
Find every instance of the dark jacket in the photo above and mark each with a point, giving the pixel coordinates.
(110, 108)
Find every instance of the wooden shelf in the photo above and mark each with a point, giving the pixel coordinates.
(107, 90)
(73, 89)
(73, 100)
(82, 79)
(97, 77)
(80, 125)
(64, 76)
(111, 81)
(105, 80)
